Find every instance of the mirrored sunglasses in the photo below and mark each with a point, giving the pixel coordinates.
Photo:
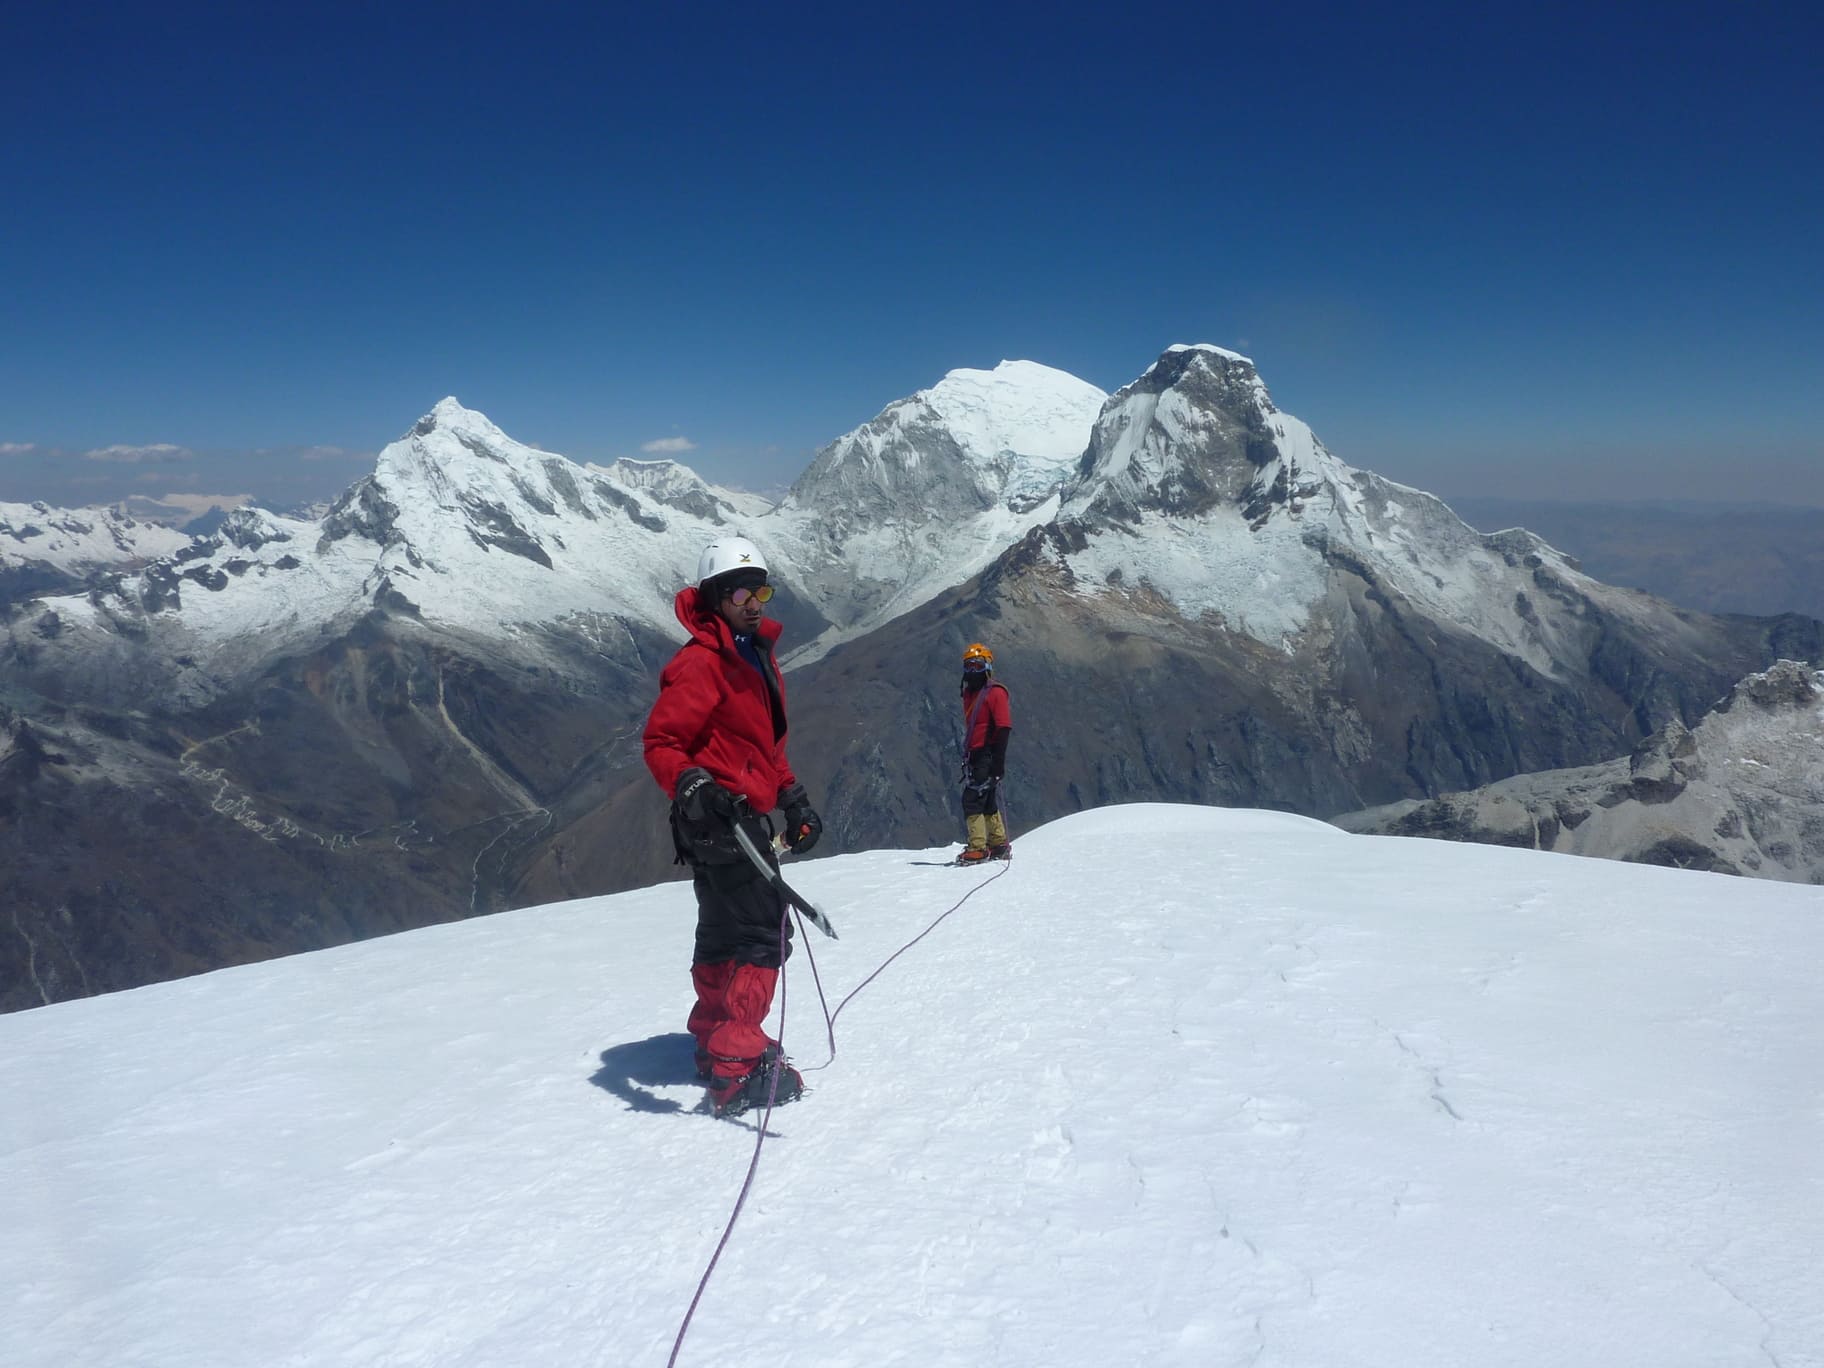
(763, 594)
(975, 667)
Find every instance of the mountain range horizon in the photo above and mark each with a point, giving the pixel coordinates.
(295, 478)
(429, 696)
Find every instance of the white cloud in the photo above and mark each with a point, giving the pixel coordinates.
(17, 448)
(157, 453)
(334, 453)
(194, 504)
(669, 444)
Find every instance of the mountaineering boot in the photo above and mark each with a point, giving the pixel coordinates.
(706, 1062)
(1003, 851)
(729, 1097)
(973, 855)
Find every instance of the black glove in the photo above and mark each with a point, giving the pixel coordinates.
(802, 825)
(700, 798)
(998, 765)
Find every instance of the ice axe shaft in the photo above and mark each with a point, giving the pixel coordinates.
(777, 880)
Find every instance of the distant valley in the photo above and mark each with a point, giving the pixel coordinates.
(1756, 561)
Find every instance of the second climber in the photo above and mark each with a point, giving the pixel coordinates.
(987, 723)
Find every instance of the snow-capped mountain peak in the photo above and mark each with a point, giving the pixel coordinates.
(459, 524)
(1223, 352)
(974, 440)
(932, 490)
(452, 415)
(1191, 432)
(1197, 485)
(1021, 410)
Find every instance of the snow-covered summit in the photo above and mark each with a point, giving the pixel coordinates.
(1179, 1087)
(554, 537)
(459, 525)
(1020, 411)
(973, 440)
(1223, 352)
(1197, 485)
(932, 490)
(452, 415)
(1190, 432)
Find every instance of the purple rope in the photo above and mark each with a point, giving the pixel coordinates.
(753, 1164)
(829, 1017)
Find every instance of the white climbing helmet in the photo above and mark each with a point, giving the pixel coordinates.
(728, 553)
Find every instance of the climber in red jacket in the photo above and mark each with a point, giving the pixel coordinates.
(715, 741)
(988, 721)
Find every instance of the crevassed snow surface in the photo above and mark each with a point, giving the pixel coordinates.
(1178, 1086)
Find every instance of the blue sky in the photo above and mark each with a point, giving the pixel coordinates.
(1540, 251)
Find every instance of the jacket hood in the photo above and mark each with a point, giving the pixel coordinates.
(706, 626)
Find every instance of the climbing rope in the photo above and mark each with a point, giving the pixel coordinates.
(829, 1019)
(753, 1164)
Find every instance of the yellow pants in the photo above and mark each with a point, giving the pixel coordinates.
(985, 831)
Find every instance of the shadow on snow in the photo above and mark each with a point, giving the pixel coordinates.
(630, 1071)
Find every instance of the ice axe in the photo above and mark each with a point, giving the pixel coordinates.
(777, 880)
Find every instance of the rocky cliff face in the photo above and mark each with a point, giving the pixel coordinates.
(1740, 793)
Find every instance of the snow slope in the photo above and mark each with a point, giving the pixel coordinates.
(1179, 1086)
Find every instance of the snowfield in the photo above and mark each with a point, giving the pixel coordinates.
(1179, 1086)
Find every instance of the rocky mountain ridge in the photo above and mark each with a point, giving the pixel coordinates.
(46, 550)
(1740, 793)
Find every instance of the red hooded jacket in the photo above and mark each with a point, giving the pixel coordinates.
(715, 710)
(986, 713)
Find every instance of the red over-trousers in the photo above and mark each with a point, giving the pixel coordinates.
(723, 710)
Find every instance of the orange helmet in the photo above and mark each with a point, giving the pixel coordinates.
(979, 656)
